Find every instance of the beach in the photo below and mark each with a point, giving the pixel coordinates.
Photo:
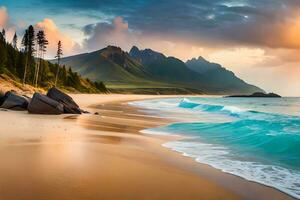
(106, 157)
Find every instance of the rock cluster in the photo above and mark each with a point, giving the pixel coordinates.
(54, 103)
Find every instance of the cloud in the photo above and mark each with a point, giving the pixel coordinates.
(3, 17)
(280, 57)
(5, 23)
(102, 34)
(54, 35)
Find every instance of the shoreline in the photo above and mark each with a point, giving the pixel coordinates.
(105, 156)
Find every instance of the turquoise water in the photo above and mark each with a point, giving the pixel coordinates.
(257, 139)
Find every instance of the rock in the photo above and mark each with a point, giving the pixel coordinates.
(85, 112)
(13, 101)
(69, 104)
(42, 104)
(96, 113)
(259, 94)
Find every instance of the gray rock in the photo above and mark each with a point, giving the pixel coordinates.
(13, 102)
(42, 104)
(69, 104)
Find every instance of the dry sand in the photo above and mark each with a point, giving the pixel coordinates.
(105, 157)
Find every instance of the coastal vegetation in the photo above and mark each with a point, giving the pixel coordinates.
(26, 65)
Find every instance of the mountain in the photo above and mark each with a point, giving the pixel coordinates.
(167, 69)
(146, 56)
(214, 73)
(148, 71)
(120, 72)
(110, 64)
(210, 77)
(201, 65)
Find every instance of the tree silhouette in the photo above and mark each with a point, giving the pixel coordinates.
(28, 43)
(15, 41)
(3, 53)
(58, 56)
(3, 35)
(42, 48)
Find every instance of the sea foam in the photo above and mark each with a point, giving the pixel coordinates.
(260, 142)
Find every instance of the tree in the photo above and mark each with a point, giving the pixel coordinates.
(15, 41)
(28, 43)
(58, 56)
(25, 45)
(101, 87)
(42, 48)
(3, 35)
(3, 54)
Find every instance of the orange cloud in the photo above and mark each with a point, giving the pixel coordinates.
(292, 34)
(284, 34)
(3, 17)
(54, 35)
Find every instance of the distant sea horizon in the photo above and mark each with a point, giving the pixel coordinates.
(257, 139)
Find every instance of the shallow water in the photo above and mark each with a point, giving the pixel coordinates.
(255, 138)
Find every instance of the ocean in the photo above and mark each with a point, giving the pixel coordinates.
(255, 138)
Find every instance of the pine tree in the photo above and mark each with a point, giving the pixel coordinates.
(25, 45)
(3, 53)
(42, 47)
(15, 41)
(3, 35)
(28, 43)
(58, 56)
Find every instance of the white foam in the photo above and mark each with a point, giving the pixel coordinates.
(233, 109)
(149, 131)
(283, 179)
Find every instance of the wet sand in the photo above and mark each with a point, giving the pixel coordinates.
(105, 157)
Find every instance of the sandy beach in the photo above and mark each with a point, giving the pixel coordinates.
(105, 157)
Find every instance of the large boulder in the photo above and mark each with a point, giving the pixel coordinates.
(69, 104)
(42, 104)
(13, 101)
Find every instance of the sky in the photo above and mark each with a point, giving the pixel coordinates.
(259, 40)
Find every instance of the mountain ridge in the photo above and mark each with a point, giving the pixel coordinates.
(149, 69)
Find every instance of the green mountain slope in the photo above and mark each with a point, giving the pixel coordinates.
(219, 77)
(110, 65)
(120, 72)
